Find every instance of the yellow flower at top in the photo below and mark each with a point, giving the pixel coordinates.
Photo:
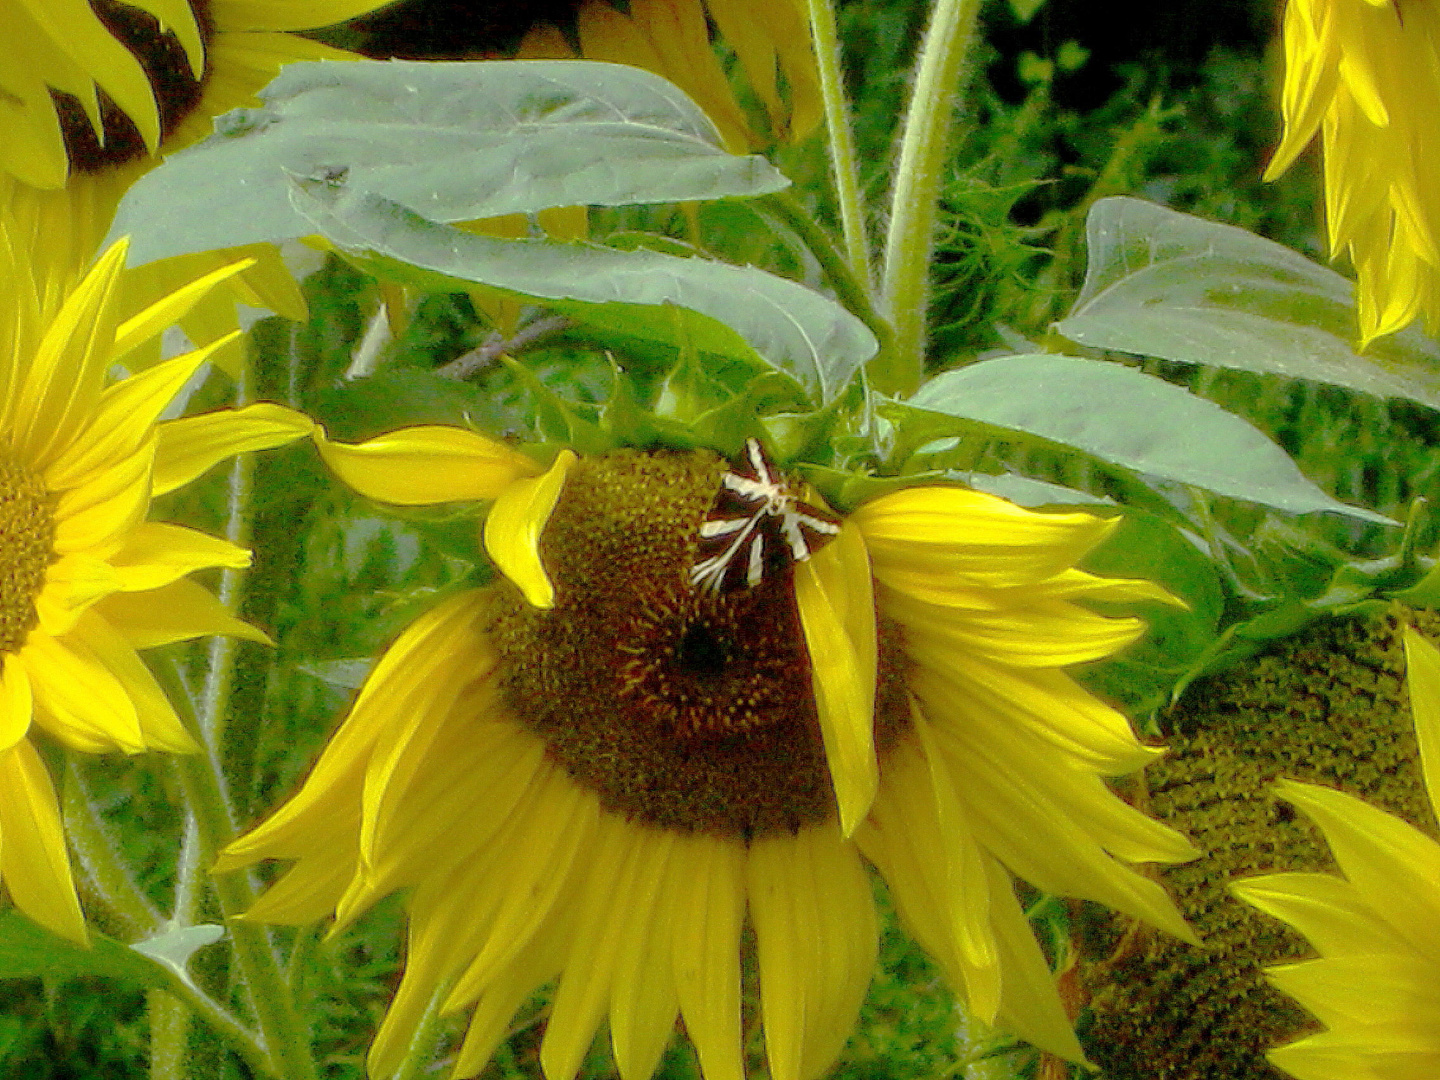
(91, 96)
(1376, 986)
(595, 770)
(87, 580)
(770, 39)
(1365, 74)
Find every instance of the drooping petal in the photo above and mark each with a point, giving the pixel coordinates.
(706, 894)
(816, 940)
(971, 538)
(399, 681)
(156, 553)
(417, 466)
(643, 999)
(514, 524)
(16, 704)
(33, 860)
(189, 447)
(836, 600)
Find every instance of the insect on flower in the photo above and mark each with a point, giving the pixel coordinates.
(756, 526)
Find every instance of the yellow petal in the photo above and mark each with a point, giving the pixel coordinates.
(514, 525)
(1422, 681)
(105, 507)
(156, 553)
(190, 446)
(64, 380)
(33, 860)
(16, 705)
(1393, 866)
(816, 939)
(287, 14)
(836, 600)
(535, 859)
(179, 611)
(123, 419)
(594, 939)
(643, 1001)
(170, 309)
(707, 904)
(399, 678)
(973, 538)
(417, 466)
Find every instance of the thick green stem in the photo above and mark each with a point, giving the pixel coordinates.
(842, 144)
(283, 1032)
(169, 1034)
(915, 202)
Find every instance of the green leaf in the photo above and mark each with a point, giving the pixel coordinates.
(451, 141)
(1166, 284)
(1029, 492)
(1129, 419)
(173, 948)
(733, 311)
(28, 949)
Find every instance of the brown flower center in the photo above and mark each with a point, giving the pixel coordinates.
(167, 67)
(27, 547)
(679, 707)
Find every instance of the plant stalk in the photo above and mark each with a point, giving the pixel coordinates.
(915, 201)
(843, 164)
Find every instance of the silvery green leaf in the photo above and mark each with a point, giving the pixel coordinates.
(450, 141)
(1161, 283)
(1133, 420)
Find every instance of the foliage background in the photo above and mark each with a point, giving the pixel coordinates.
(1174, 103)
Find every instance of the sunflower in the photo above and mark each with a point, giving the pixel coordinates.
(592, 770)
(1376, 986)
(770, 40)
(93, 92)
(87, 579)
(1366, 74)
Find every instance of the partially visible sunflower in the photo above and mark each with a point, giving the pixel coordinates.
(591, 769)
(87, 580)
(93, 92)
(770, 39)
(1366, 75)
(1376, 986)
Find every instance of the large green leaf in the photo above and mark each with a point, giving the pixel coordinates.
(1166, 284)
(1130, 419)
(451, 141)
(734, 311)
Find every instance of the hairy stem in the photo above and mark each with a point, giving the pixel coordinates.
(842, 145)
(915, 202)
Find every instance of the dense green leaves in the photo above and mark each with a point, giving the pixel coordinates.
(1166, 284)
(451, 141)
(733, 311)
(1129, 419)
